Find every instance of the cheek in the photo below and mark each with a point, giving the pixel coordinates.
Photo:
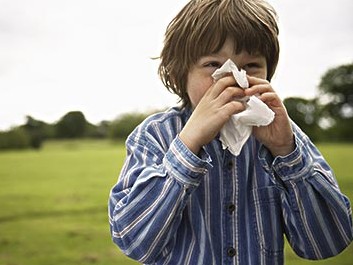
(197, 88)
(262, 73)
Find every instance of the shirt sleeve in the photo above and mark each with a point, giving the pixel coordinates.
(145, 206)
(317, 216)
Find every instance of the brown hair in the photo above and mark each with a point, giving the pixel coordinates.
(202, 27)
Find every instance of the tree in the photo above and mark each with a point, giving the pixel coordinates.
(336, 96)
(71, 125)
(305, 113)
(37, 131)
(16, 138)
(121, 127)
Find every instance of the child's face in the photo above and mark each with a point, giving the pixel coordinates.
(199, 76)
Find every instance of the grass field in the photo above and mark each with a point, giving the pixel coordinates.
(53, 203)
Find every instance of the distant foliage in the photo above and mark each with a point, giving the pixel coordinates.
(38, 131)
(305, 113)
(336, 91)
(125, 124)
(16, 138)
(329, 116)
(72, 125)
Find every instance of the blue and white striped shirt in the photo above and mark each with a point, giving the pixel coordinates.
(173, 207)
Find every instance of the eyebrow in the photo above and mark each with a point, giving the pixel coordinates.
(212, 57)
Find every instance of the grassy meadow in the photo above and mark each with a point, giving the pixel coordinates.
(53, 203)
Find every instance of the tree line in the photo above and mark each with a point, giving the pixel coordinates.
(73, 125)
(327, 117)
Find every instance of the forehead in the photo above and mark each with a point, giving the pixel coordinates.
(229, 47)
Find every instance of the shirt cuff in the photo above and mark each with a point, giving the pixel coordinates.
(184, 165)
(293, 166)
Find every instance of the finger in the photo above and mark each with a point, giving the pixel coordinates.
(253, 80)
(271, 99)
(220, 85)
(231, 94)
(233, 107)
(258, 89)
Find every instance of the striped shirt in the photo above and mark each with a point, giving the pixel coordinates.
(171, 206)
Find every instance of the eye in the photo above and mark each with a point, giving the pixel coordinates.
(213, 64)
(256, 68)
(252, 66)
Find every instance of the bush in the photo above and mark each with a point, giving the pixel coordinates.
(125, 124)
(71, 125)
(16, 138)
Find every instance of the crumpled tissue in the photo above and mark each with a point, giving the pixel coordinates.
(238, 129)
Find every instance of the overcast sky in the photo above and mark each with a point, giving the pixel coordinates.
(95, 55)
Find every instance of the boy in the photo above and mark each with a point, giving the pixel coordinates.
(182, 198)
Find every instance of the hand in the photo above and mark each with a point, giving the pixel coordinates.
(278, 136)
(210, 114)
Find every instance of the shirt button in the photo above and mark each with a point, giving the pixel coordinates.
(230, 165)
(231, 252)
(231, 208)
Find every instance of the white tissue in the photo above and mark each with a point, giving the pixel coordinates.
(238, 129)
(230, 67)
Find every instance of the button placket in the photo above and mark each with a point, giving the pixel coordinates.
(229, 208)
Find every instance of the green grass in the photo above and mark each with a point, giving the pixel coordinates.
(53, 203)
